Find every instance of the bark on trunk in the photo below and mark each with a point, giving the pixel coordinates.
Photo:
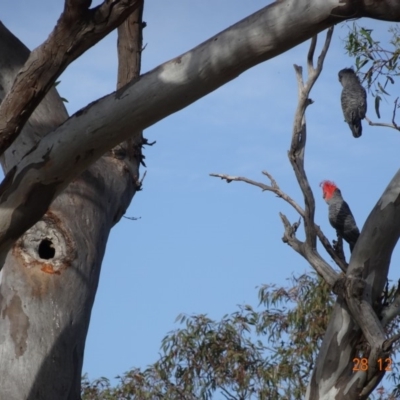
(87, 135)
(50, 277)
(333, 376)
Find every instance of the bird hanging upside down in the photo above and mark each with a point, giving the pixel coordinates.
(340, 215)
(354, 100)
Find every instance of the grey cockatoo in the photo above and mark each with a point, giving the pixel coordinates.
(354, 100)
(340, 215)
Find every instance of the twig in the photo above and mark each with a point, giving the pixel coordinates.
(274, 188)
(132, 218)
(383, 124)
(393, 125)
(144, 176)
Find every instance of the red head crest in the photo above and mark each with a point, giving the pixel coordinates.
(328, 188)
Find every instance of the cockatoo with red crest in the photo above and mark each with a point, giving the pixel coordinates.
(340, 215)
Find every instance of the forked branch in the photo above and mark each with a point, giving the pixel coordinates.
(296, 156)
(274, 188)
(77, 30)
(299, 136)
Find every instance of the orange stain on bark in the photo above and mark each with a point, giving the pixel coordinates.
(48, 269)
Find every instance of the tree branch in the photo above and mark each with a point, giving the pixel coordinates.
(365, 316)
(299, 137)
(274, 188)
(130, 41)
(77, 30)
(296, 157)
(363, 286)
(73, 9)
(392, 310)
(46, 170)
(393, 125)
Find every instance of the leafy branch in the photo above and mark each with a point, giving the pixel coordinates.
(377, 66)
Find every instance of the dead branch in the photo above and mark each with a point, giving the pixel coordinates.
(289, 235)
(296, 157)
(299, 137)
(274, 188)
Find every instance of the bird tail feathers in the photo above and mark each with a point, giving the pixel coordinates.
(356, 129)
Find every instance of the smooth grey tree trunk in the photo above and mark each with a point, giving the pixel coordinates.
(49, 280)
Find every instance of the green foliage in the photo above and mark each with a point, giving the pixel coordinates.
(376, 65)
(265, 354)
(249, 354)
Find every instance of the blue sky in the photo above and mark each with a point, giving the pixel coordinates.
(201, 245)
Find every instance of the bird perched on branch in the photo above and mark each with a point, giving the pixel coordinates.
(354, 100)
(340, 215)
